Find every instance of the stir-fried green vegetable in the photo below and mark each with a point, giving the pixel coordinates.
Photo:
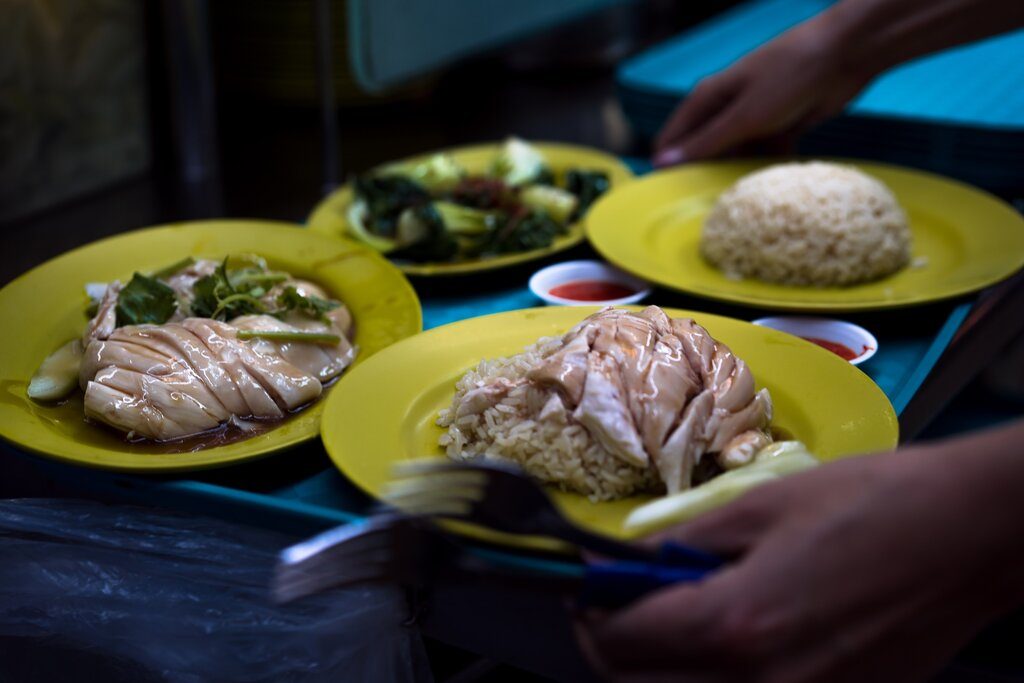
(357, 216)
(524, 232)
(519, 163)
(423, 237)
(439, 173)
(145, 300)
(587, 186)
(557, 203)
(385, 198)
(434, 211)
(463, 220)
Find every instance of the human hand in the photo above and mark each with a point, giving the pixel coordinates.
(872, 568)
(767, 98)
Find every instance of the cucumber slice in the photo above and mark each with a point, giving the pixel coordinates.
(774, 461)
(57, 377)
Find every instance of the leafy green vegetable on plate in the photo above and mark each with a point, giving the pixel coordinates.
(145, 300)
(435, 211)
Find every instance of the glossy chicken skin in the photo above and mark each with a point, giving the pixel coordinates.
(168, 381)
(323, 362)
(658, 391)
(105, 320)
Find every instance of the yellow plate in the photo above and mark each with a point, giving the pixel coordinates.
(968, 239)
(329, 215)
(47, 304)
(386, 409)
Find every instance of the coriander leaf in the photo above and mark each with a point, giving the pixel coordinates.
(215, 297)
(234, 305)
(292, 300)
(204, 296)
(145, 300)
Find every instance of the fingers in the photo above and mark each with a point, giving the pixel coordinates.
(704, 631)
(707, 97)
(779, 144)
(606, 672)
(725, 130)
(635, 638)
(667, 676)
(589, 649)
(706, 101)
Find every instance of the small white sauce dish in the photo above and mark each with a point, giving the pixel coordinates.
(853, 337)
(546, 279)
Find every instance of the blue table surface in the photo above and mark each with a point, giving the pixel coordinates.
(900, 365)
(903, 360)
(979, 85)
(301, 491)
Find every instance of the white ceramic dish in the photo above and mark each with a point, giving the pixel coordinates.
(853, 337)
(544, 280)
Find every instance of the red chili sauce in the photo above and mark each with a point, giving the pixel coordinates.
(844, 352)
(591, 290)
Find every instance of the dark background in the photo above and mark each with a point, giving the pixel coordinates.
(264, 153)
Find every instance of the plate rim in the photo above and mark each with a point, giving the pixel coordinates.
(404, 286)
(322, 217)
(771, 302)
(330, 443)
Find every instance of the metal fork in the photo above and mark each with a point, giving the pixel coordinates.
(386, 548)
(501, 497)
(406, 551)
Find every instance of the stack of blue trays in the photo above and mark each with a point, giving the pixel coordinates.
(959, 112)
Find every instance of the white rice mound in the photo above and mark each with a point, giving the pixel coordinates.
(810, 223)
(557, 450)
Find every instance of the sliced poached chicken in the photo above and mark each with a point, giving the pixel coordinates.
(653, 391)
(178, 379)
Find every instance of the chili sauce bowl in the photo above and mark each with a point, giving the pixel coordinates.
(587, 283)
(848, 341)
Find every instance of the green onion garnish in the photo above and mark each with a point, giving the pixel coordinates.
(287, 335)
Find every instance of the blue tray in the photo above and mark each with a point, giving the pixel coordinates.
(958, 112)
(980, 85)
(301, 492)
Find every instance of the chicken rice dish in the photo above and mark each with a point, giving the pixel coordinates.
(201, 346)
(623, 403)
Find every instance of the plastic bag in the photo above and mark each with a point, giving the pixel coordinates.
(116, 593)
